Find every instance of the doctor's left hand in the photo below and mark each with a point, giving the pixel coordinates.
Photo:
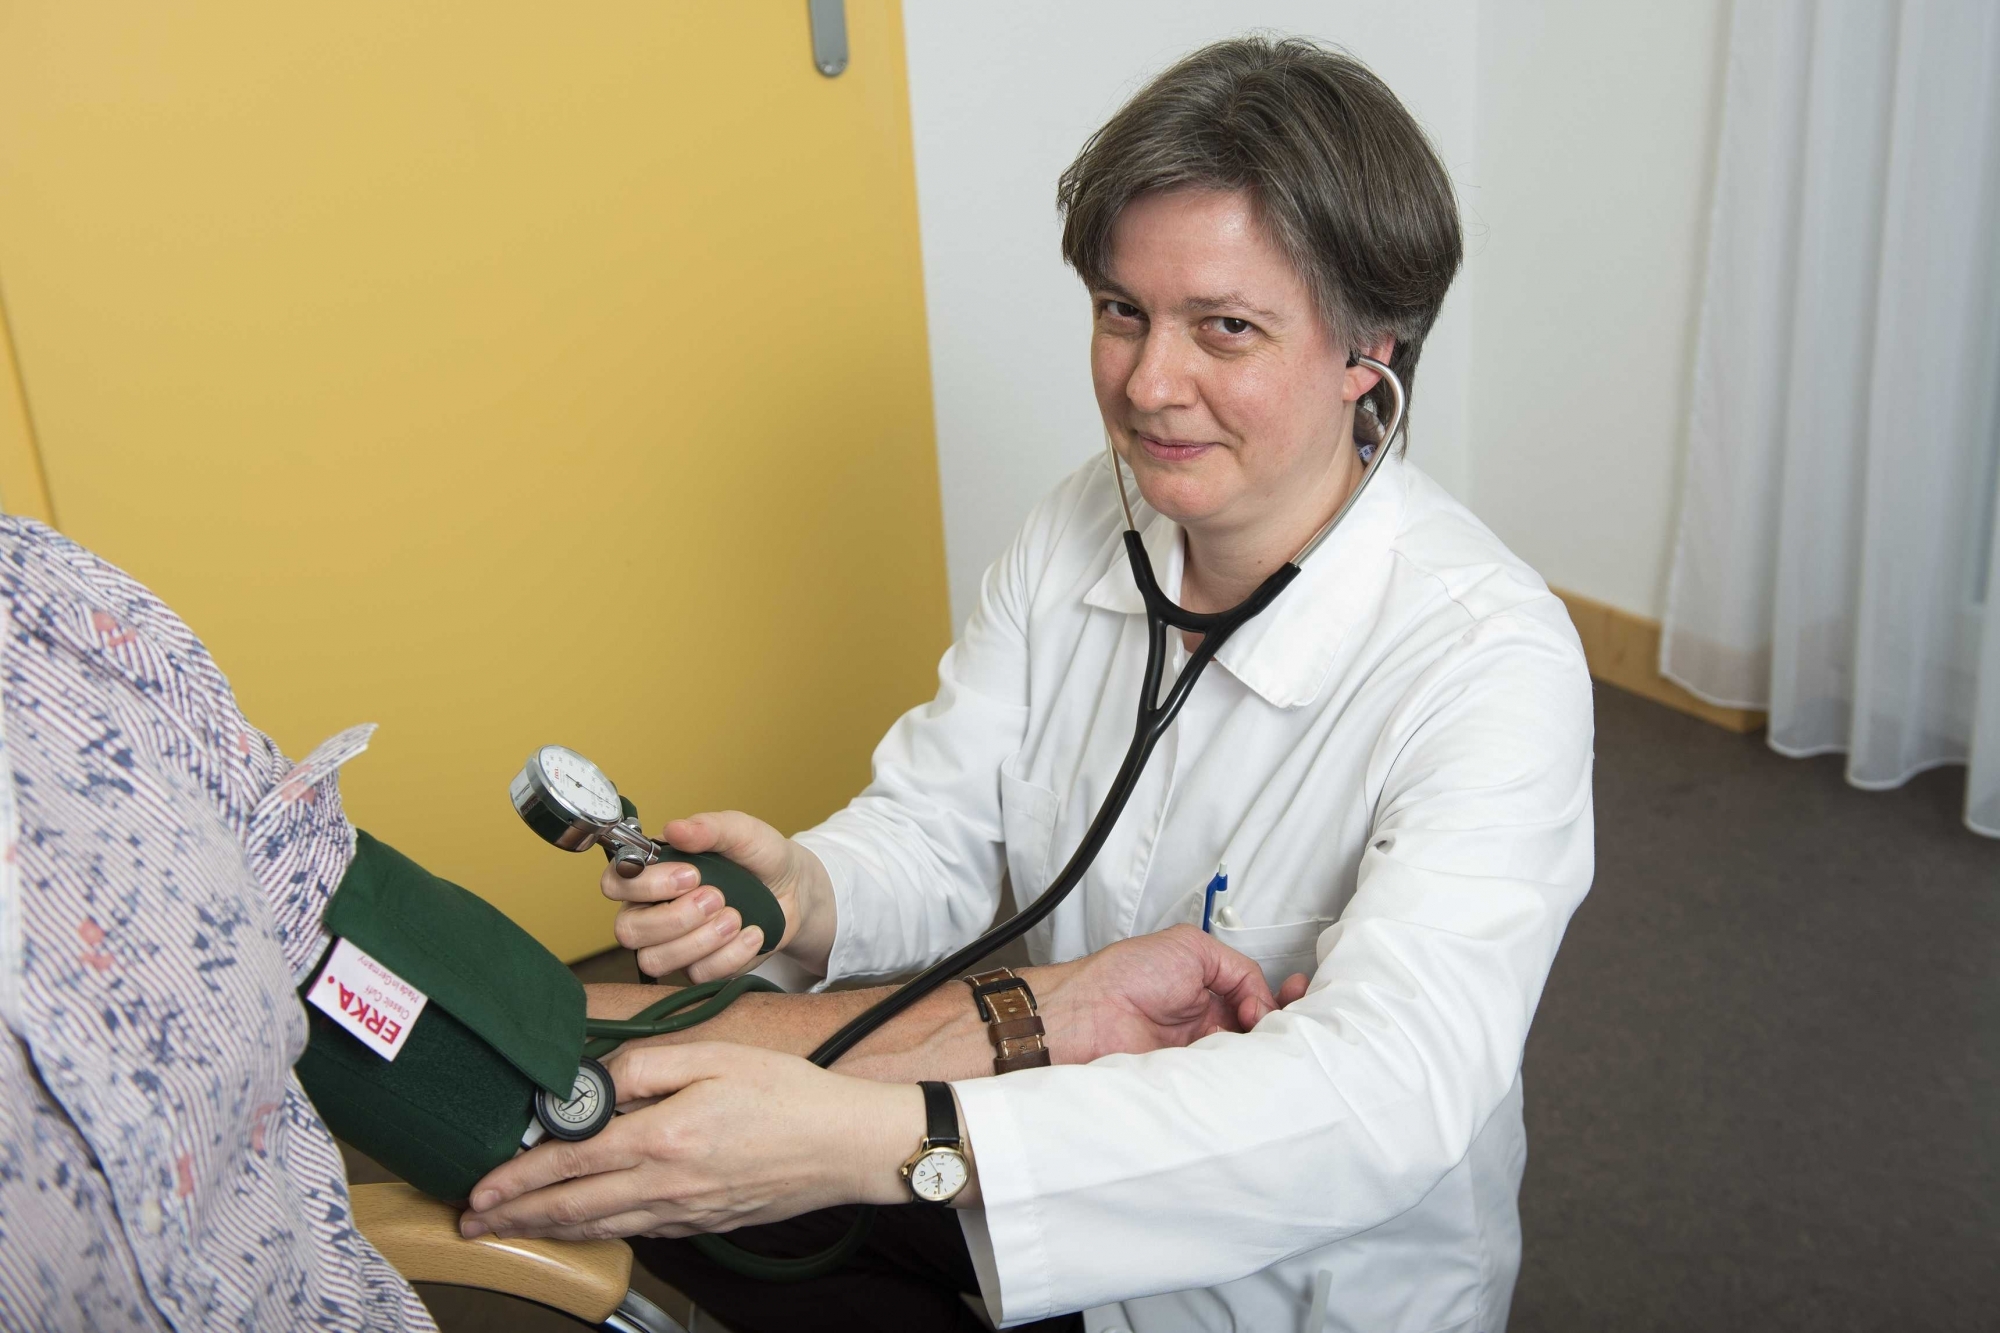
(742, 1136)
(673, 922)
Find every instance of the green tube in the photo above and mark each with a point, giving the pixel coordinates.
(676, 1013)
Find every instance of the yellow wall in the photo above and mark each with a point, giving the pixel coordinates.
(502, 373)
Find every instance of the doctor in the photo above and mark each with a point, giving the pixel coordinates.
(1393, 760)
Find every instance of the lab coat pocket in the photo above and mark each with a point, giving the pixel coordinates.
(1278, 950)
(1028, 823)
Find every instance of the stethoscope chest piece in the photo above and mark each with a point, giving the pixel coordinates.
(588, 1108)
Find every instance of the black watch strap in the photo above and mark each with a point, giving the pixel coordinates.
(940, 1115)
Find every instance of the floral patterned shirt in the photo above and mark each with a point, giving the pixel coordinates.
(164, 873)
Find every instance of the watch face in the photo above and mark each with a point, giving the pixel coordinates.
(938, 1175)
(579, 784)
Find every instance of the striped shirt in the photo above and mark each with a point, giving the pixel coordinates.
(164, 873)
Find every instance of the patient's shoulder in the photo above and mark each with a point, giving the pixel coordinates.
(68, 598)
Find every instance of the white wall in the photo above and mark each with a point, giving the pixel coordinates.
(1002, 96)
(1587, 207)
(1551, 395)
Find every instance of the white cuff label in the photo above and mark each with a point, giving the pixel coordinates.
(367, 999)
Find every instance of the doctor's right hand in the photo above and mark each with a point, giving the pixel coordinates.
(671, 920)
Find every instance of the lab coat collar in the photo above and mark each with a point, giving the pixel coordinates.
(1287, 653)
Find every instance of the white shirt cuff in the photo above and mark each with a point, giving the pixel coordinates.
(1006, 1238)
(840, 960)
(972, 1221)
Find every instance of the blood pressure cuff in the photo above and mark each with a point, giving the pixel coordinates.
(503, 1017)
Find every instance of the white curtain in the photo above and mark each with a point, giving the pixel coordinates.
(1836, 562)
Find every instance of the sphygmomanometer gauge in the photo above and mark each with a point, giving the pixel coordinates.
(565, 798)
(588, 1109)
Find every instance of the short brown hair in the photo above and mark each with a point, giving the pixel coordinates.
(1338, 170)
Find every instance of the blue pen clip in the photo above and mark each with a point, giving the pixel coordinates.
(1217, 885)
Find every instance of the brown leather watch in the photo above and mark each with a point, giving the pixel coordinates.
(1012, 1020)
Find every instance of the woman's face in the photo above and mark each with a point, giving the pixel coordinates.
(1215, 374)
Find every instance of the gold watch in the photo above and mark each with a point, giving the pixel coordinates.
(937, 1171)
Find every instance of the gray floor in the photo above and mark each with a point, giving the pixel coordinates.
(1763, 1088)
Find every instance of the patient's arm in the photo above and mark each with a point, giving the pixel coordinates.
(1166, 989)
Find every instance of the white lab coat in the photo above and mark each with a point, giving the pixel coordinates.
(1394, 762)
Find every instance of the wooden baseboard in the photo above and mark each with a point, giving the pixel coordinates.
(1623, 649)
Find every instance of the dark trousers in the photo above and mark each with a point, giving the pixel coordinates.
(908, 1275)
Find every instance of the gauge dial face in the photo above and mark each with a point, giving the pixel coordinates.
(579, 784)
(938, 1175)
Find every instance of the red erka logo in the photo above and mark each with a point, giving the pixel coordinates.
(378, 1023)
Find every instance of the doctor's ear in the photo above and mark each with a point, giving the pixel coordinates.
(1360, 379)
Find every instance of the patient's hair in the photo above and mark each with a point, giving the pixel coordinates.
(1341, 174)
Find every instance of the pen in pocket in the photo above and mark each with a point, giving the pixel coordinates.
(1215, 909)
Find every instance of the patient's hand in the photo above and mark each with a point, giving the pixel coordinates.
(1169, 988)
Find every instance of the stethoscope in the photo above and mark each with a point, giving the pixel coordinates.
(1156, 714)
